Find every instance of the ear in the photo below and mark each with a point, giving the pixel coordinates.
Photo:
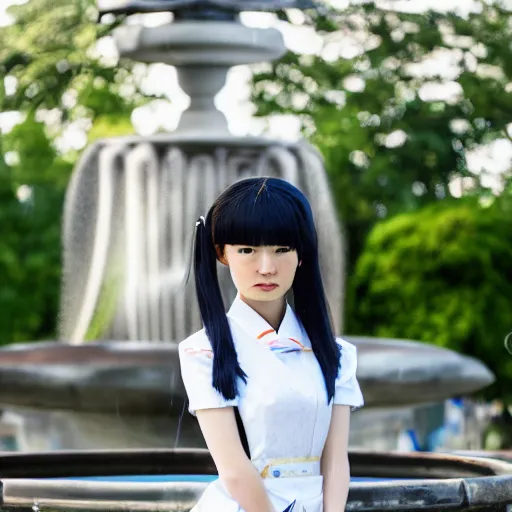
(300, 263)
(220, 256)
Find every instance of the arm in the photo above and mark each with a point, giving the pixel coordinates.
(334, 463)
(236, 471)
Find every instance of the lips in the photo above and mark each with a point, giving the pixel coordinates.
(266, 287)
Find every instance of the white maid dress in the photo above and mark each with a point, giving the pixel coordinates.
(283, 406)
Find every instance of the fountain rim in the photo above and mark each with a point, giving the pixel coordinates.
(194, 461)
(457, 493)
(44, 352)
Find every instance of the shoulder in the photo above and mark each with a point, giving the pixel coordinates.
(199, 338)
(347, 347)
(197, 343)
(348, 359)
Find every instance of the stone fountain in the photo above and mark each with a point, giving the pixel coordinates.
(130, 211)
(129, 215)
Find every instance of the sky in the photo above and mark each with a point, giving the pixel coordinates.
(233, 100)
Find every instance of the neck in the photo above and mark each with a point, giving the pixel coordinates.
(273, 311)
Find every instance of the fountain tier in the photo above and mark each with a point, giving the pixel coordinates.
(130, 394)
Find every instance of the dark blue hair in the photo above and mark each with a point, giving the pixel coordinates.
(255, 212)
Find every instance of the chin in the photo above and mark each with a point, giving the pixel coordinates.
(264, 296)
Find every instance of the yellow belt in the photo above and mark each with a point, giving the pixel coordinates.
(289, 467)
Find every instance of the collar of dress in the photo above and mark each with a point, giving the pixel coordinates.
(290, 337)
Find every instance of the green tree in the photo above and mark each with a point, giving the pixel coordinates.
(30, 236)
(387, 148)
(442, 275)
(51, 75)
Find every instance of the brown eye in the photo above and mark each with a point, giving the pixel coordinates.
(282, 250)
(245, 250)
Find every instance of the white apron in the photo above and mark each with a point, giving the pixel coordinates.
(283, 406)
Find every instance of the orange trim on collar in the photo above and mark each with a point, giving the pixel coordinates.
(264, 333)
(305, 349)
(298, 342)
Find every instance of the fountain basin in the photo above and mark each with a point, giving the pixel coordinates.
(119, 395)
(144, 378)
(444, 482)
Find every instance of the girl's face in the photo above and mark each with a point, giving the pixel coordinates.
(261, 273)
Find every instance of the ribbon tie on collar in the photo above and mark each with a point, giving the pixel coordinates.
(281, 345)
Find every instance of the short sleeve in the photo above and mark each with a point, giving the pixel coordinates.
(347, 390)
(196, 361)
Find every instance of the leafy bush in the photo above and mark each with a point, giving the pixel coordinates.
(441, 275)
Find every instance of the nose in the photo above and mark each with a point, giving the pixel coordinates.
(266, 264)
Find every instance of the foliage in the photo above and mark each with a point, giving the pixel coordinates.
(30, 240)
(387, 149)
(53, 78)
(50, 52)
(443, 275)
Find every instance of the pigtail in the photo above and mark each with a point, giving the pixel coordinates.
(226, 368)
(313, 310)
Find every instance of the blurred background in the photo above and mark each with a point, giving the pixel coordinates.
(410, 105)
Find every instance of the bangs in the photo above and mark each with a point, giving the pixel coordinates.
(258, 217)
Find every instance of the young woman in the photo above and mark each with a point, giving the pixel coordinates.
(278, 374)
